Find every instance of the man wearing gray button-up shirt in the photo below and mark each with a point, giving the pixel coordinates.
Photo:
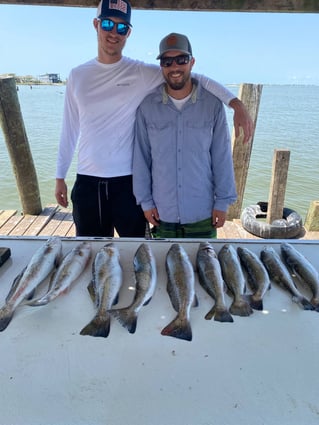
(182, 164)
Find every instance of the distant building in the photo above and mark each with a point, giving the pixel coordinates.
(50, 78)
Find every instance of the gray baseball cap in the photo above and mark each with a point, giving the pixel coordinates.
(175, 41)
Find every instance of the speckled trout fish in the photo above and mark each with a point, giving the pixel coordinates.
(68, 272)
(145, 282)
(235, 280)
(180, 287)
(303, 269)
(279, 274)
(104, 288)
(42, 264)
(211, 279)
(258, 277)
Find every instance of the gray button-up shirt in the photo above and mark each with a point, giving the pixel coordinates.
(182, 162)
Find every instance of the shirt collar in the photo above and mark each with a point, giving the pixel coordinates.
(193, 97)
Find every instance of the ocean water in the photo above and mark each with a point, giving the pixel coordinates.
(288, 119)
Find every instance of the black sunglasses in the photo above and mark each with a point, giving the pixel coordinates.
(108, 25)
(167, 61)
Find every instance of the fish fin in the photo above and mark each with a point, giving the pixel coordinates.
(241, 308)
(91, 290)
(178, 328)
(99, 326)
(45, 299)
(303, 302)
(315, 303)
(147, 301)
(116, 299)
(127, 317)
(195, 302)
(6, 314)
(31, 295)
(255, 304)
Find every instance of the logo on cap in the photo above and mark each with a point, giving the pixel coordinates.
(118, 5)
(171, 41)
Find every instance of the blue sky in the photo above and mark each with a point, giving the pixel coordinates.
(265, 48)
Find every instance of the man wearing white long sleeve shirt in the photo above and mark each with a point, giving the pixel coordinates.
(101, 99)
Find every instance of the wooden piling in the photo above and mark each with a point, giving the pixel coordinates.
(250, 95)
(312, 219)
(18, 147)
(278, 184)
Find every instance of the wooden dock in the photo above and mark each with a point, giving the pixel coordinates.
(55, 220)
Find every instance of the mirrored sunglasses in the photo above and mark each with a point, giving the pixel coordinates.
(167, 61)
(108, 25)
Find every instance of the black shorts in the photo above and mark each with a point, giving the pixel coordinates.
(101, 205)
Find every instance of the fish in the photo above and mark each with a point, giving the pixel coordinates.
(69, 270)
(258, 277)
(145, 283)
(235, 280)
(104, 288)
(181, 290)
(43, 262)
(298, 264)
(211, 279)
(280, 275)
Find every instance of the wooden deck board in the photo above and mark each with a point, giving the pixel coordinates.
(58, 221)
(6, 215)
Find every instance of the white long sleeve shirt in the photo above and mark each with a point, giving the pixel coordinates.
(99, 114)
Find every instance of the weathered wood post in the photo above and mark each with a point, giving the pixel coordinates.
(278, 184)
(312, 219)
(250, 95)
(18, 147)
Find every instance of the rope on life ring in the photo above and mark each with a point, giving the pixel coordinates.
(289, 226)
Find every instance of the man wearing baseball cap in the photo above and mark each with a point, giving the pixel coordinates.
(183, 174)
(102, 96)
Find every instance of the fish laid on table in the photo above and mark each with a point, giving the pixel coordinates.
(235, 280)
(181, 290)
(145, 282)
(70, 269)
(43, 262)
(303, 269)
(258, 277)
(279, 274)
(104, 289)
(211, 279)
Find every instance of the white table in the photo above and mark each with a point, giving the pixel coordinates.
(259, 370)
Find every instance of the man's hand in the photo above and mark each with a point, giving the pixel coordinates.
(218, 218)
(61, 193)
(152, 216)
(242, 119)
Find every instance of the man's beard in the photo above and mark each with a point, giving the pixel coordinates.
(176, 85)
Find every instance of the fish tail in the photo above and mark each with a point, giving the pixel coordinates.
(220, 314)
(315, 303)
(99, 326)
(223, 315)
(240, 307)
(127, 317)
(256, 304)
(303, 302)
(6, 314)
(178, 328)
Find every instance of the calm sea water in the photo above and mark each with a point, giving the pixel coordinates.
(288, 119)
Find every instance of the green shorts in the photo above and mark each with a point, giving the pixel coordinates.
(200, 229)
